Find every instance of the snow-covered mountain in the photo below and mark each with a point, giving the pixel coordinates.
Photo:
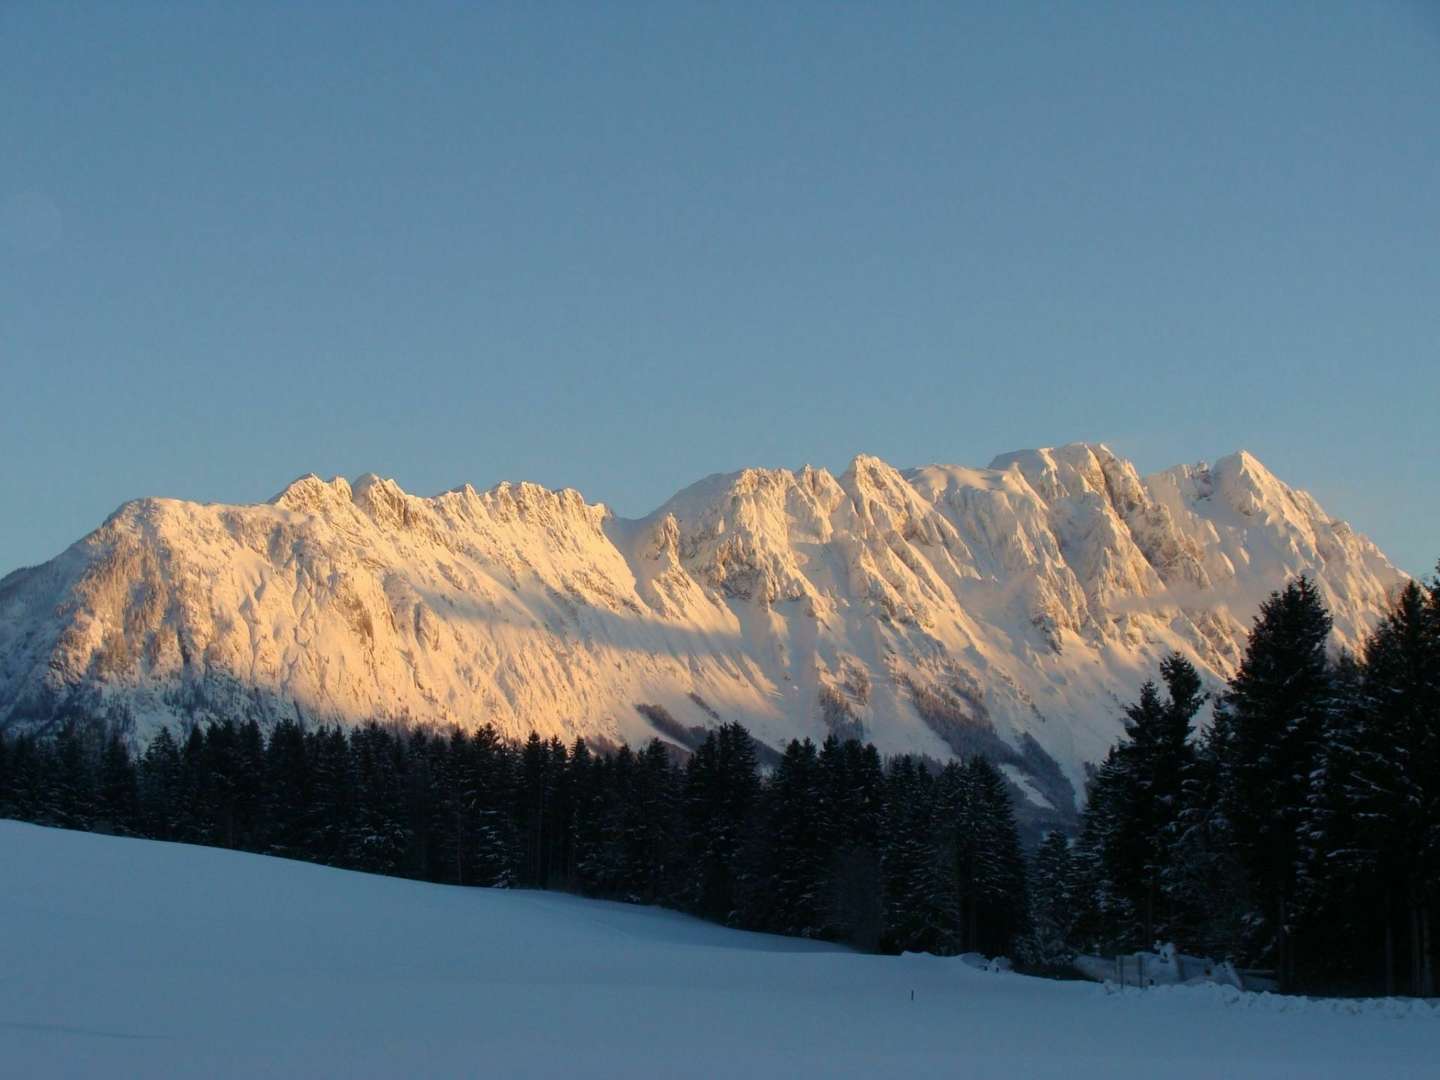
(938, 610)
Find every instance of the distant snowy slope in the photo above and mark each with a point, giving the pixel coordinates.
(138, 958)
(941, 610)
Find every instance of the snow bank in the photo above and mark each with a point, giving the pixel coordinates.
(1196, 994)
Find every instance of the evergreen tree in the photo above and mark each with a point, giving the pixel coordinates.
(70, 801)
(651, 827)
(560, 831)
(454, 803)
(7, 793)
(218, 779)
(1046, 947)
(29, 777)
(533, 813)
(787, 890)
(495, 847)
(948, 906)
(998, 906)
(423, 815)
(332, 789)
(378, 838)
(1105, 914)
(119, 801)
(1206, 891)
(907, 861)
(852, 803)
(160, 787)
(1132, 818)
(195, 824)
(1274, 718)
(597, 831)
(285, 792)
(1337, 885)
(1394, 782)
(249, 786)
(722, 786)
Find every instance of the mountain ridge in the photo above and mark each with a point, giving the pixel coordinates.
(938, 610)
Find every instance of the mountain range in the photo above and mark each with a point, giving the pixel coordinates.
(1011, 610)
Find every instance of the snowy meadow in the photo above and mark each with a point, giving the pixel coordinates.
(132, 957)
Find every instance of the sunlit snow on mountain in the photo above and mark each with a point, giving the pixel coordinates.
(941, 610)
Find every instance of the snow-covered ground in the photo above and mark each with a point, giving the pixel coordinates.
(136, 958)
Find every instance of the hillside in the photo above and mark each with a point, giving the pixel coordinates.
(132, 957)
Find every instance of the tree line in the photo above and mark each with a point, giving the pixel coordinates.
(830, 843)
(1299, 832)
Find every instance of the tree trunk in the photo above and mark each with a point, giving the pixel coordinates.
(1149, 914)
(1283, 961)
(1423, 962)
(459, 849)
(1389, 947)
(1416, 964)
(1427, 956)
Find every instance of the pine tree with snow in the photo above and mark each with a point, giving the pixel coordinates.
(119, 802)
(722, 788)
(286, 791)
(496, 850)
(852, 804)
(1139, 792)
(1394, 780)
(1337, 884)
(250, 785)
(1104, 915)
(948, 908)
(378, 838)
(999, 910)
(1046, 947)
(331, 795)
(70, 800)
(913, 915)
(534, 811)
(599, 787)
(1274, 718)
(195, 821)
(787, 892)
(651, 827)
(159, 786)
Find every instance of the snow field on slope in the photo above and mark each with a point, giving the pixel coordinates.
(130, 958)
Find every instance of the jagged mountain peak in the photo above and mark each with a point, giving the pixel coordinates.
(309, 492)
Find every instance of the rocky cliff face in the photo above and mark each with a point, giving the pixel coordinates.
(942, 610)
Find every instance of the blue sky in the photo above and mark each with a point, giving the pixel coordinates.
(619, 247)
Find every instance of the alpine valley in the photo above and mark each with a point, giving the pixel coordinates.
(944, 610)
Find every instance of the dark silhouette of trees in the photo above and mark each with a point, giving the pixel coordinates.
(811, 848)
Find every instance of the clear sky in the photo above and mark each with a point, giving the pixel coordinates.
(621, 246)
